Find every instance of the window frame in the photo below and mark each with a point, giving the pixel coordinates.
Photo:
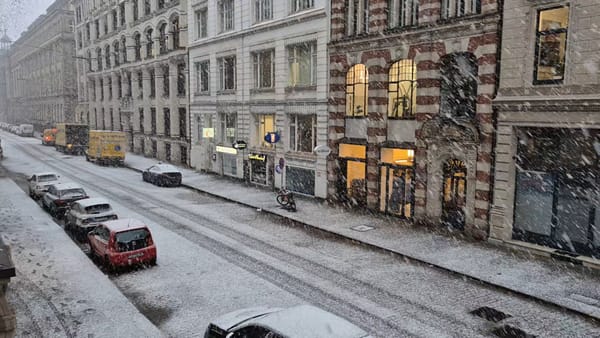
(263, 10)
(294, 140)
(353, 93)
(401, 16)
(451, 91)
(446, 7)
(200, 79)
(260, 125)
(222, 73)
(293, 55)
(201, 16)
(538, 36)
(353, 28)
(226, 22)
(258, 57)
(398, 84)
(301, 5)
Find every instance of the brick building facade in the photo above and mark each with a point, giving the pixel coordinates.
(410, 111)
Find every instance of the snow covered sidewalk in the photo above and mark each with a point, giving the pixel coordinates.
(554, 283)
(58, 291)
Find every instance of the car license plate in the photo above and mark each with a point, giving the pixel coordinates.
(136, 255)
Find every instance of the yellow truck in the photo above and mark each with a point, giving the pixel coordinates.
(71, 138)
(106, 147)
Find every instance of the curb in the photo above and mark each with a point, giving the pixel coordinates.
(407, 256)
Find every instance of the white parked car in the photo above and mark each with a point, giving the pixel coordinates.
(26, 130)
(302, 321)
(38, 183)
(85, 214)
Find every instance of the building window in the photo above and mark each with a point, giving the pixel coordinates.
(122, 14)
(162, 38)
(303, 133)
(201, 25)
(110, 87)
(161, 4)
(149, 44)
(165, 73)
(140, 77)
(175, 31)
(202, 76)
(264, 69)
(107, 56)
(137, 38)
(124, 50)
(88, 36)
(99, 58)
(153, 124)
(181, 81)
(265, 124)
(167, 122)
(551, 45)
(357, 17)
(152, 83)
(227, 73)
(300, 5)
(459, 85)
(458, 8)
(89, 60)
(403, 13)
(182, 125)
(302, 64)
(228, 128)
(116, 53)
(114, 19)
(135, 10)
(105, 24)
(300, 180)
(357, 89)
(263, 10)
(402, 89)
(97, 29)
(225, 15)
(147, 8)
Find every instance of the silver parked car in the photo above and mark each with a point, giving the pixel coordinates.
(83, 216)
(38, 183)
(60, 196)
(302, 321)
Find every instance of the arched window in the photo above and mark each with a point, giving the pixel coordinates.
(402, 89)
(107, 56)
(357, 89)
(162, 37)
(175, 31)
(137, 40)
(99, 58)
(123, 49)
(149, 43)
(116, 51)
(459, 85)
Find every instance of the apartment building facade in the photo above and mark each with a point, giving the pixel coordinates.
(132, 72)
(546, 188)
(259, 91)
(41, 80)
(410, 109)
(5, 43)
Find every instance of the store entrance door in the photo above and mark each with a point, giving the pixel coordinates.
(454, 194)
(397, 190)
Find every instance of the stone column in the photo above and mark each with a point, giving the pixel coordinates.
(147, 100)
(174, 100)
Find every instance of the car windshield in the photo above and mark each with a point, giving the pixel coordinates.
(72, 192)
(97, 208)
(47, 178)
(132, 239)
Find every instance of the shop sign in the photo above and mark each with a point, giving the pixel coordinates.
(272, 137)
(322, 150)
(208, 132)
(257, 157)
(240, 145)
(226, 150)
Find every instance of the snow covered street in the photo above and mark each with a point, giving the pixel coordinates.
(216, 256)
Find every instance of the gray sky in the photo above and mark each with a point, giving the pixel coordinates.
(16, 15)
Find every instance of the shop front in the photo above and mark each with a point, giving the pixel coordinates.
(557, 193)
(352, 183)
(260, 169)
(397, 182)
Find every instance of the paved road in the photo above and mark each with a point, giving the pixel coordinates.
(262, 261)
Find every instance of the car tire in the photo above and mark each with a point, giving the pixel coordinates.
(152, 262)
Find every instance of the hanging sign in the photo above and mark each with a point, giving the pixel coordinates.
(257, 157)
(240, 145)
(272, 137)
(322, 150)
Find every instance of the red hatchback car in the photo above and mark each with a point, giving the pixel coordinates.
(122, 243)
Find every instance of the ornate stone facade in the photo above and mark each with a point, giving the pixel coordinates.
(41, 79)
(132, 73)
(433, 133)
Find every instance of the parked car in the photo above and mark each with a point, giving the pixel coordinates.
(60, 196)
(162, 175)
(122, 243)
(38, 183)
(85, 214)
(14, 129)
(302, 321)
(26, 130)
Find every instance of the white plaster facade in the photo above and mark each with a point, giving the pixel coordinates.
(277, 33)
(132, 72)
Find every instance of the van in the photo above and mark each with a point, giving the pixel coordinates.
(106, 147)
(26, 130)
(49, 137)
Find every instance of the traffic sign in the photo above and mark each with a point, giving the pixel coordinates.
(272, 137)
(239, 145)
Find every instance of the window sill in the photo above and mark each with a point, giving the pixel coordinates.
(300, 88)
(226, 92)
(261, 90)
(202, 94)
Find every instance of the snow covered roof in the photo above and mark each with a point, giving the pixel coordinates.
(45, 174)
(167, 168)
(124, 224)
(308, 321)
(92, 201)
(67, 185)
(231, 319)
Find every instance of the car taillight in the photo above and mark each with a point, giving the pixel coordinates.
(149, 241)
(60, 202)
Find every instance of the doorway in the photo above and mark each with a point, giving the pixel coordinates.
(454, 194)
(397, 190)
(352, 183)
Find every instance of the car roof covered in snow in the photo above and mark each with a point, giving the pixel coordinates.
(305, 321)
(124, 224)
(234, 318)
(92, 201)
(67, 185)
(166, 168)
(45, 174)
